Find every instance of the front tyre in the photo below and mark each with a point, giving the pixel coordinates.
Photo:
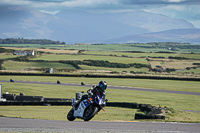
(90, 113)
(70, 115)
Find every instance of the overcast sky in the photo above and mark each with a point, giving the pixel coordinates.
(183, 9)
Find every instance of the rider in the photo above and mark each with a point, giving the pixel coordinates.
(98, 88)
(101, 88)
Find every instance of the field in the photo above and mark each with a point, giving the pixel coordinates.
(163, 61)
(129, 54)
(7, 56)
(52, 57)
(169, 63)
(16, 65)
(181, 61)
(172, 47)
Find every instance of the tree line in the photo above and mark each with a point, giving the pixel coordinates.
(29, 41)
(102, 63)
(2, 50)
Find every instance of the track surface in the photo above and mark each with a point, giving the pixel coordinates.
(111, 87)
(34, 125)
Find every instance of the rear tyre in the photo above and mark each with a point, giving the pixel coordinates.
(90, 113)
(70, 115)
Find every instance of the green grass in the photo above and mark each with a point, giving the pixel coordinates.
(176, 101)
(110, 114)
(7, 56)
(15, 65)
(190, 56)
(119, 70)
(176, 64)
(52, 57)
(60, 112)
(190, 86)
(54, 91)
(112, 53)
(20, 45)
(113, 47)
(190, 71)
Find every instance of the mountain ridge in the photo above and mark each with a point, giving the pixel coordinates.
(175, 35)
(86, 27)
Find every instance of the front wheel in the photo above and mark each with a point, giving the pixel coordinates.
(70, 115)
(90, 113)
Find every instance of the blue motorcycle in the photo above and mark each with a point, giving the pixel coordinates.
(87, 108)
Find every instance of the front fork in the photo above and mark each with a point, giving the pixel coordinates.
(73, 103)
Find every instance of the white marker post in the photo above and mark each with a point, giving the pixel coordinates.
(1, 94)
(0, 91)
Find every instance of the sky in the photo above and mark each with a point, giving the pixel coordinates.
(188, 10)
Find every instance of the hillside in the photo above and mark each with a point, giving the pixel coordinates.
(74, 26)
(175, 35)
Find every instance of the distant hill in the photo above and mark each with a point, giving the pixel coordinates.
(177, 35)
(84, 27)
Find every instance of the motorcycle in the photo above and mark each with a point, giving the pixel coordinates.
(87, 108)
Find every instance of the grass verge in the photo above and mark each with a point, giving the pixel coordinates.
(111, 114)
(178, 85)
(176, 101)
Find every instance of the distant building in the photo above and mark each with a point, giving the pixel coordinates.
(158, 70)
(49, 70)
(24, 52)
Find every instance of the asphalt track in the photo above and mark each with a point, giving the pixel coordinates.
(35, 125)
(110, 87)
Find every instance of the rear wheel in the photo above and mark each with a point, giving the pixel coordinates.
(90, 113)
(70, 115)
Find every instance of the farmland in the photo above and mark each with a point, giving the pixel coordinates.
(15, 65)
(177, 60)
(146, 48)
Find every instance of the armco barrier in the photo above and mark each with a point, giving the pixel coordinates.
(45, 99)
(123, 104)
(28, 98)
(142, 107)
(9, 96)
(13, 103)
(24, 98)
(145, 116)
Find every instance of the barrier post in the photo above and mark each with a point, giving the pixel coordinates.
(0, 91)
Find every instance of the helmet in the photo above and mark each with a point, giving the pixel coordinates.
(103, 85)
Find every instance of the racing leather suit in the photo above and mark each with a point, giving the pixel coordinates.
(94, 90)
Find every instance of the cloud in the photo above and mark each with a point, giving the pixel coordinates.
(57, 3)
(50, 12)
(153, 2)
(176, 1)
(91, 3)
(14, 2)
(175, 7)
(86, 3)
(190, 13)
(184, 9)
